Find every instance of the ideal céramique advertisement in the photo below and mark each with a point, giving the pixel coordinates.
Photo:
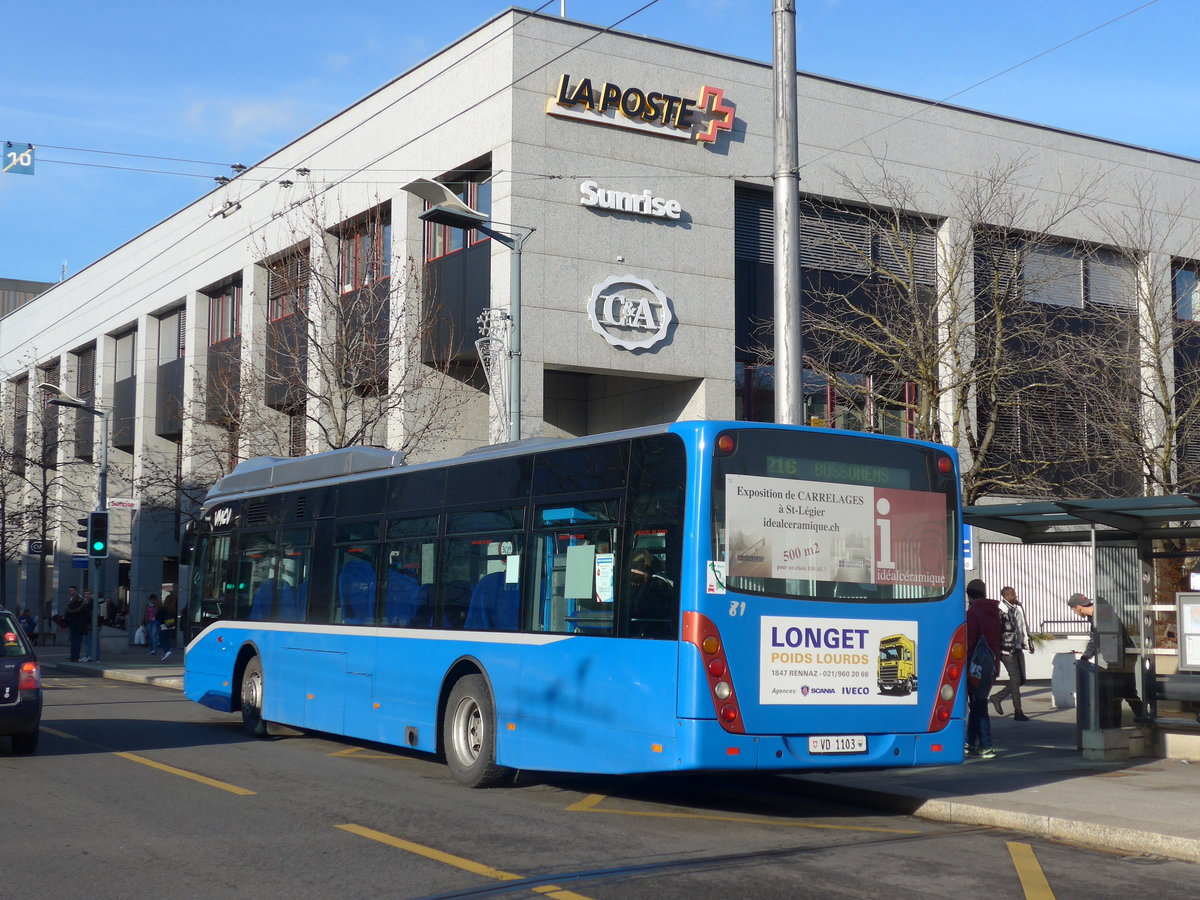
(785, 528)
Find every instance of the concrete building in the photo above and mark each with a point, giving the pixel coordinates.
(305, 304)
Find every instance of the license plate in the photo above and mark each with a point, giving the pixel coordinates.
(837, 743)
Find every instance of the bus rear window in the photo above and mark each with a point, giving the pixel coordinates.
(849, 516)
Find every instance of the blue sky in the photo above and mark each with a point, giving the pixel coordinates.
(228, 84)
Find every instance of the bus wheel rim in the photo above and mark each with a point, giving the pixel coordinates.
(468, 730)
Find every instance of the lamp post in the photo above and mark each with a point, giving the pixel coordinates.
(445, 208)
(59, 397)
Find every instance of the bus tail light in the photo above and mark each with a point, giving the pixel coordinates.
(943, 702)
(30, 678)
(702, 633)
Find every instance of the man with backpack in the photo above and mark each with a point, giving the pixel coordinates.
(1014, 640)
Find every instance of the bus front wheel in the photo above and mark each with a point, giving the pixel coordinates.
(252, 697)
(469, 735)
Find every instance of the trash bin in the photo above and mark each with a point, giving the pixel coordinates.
(1062, 680)
(1097, 698)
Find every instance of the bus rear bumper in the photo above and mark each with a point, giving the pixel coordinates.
(714, 748)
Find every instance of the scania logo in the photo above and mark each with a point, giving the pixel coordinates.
(804, 690)
(629, 312)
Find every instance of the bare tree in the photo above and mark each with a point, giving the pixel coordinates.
(345, 352)
(1150, 414)
(922, 324)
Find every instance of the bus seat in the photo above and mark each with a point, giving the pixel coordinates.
(406, 600)
(356, 591)
(263, 601)
(288, 610)
(495, 605)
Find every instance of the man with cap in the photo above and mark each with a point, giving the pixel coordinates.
(1084, 607)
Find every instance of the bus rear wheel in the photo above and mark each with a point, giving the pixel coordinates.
(252, 697)
(469, 735)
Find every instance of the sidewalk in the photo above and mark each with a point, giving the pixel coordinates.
(1039, 783)
(119, 661)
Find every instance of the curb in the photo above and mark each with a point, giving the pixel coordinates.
(170, 681)
(1104, 837)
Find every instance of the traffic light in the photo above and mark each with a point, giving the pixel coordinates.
(97, 535)
(83, 543)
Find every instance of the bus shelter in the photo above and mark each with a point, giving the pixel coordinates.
(1157, 604)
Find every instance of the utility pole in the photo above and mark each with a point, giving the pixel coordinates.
(789, 342)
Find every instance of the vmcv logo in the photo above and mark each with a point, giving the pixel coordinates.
(629, 312)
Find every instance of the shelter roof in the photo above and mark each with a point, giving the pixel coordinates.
(1115, 519)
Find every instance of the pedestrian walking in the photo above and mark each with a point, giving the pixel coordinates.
(983, 642)
(79, 622)
(165, 616)
(1014, 641)
(151, 623)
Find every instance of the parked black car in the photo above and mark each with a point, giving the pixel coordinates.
(20, 686)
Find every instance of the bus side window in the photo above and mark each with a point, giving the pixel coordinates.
(573, 578)
(356, 564)
(356, 585)
(409, 555)
(495, 603)
(253, 586)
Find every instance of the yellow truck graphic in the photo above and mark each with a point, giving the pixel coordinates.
(897, 665)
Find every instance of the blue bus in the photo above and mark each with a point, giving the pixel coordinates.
(690, 596)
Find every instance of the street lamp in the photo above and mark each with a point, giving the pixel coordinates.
(445, 208)
(59, 397)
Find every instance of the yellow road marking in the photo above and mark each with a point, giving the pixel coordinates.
(1033, 879)
(57, 733)
(361, 753)
(184, 773)
(589, 803)
(458, 862)
(586, 803)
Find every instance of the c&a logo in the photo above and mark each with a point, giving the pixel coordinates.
(629, 312)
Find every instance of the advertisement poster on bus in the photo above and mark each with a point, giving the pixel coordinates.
(788, 528)
(823, 662)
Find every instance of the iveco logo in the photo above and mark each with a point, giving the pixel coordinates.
(629, 312)
(222, 517)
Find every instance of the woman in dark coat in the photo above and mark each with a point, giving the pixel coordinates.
(983, 622)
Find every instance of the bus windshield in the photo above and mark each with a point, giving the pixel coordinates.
(819, 515)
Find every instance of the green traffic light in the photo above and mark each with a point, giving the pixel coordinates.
(98, 546)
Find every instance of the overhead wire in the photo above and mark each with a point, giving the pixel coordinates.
(983, 81)
(323, 187)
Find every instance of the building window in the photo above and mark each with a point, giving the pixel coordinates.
(85, 373)
(1074, 275)
(1053, 275)
(225, 314)
(124, 355)
(442, 240)
(365, 251)
(1187, 291)
(170, 336)
(287, 285)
